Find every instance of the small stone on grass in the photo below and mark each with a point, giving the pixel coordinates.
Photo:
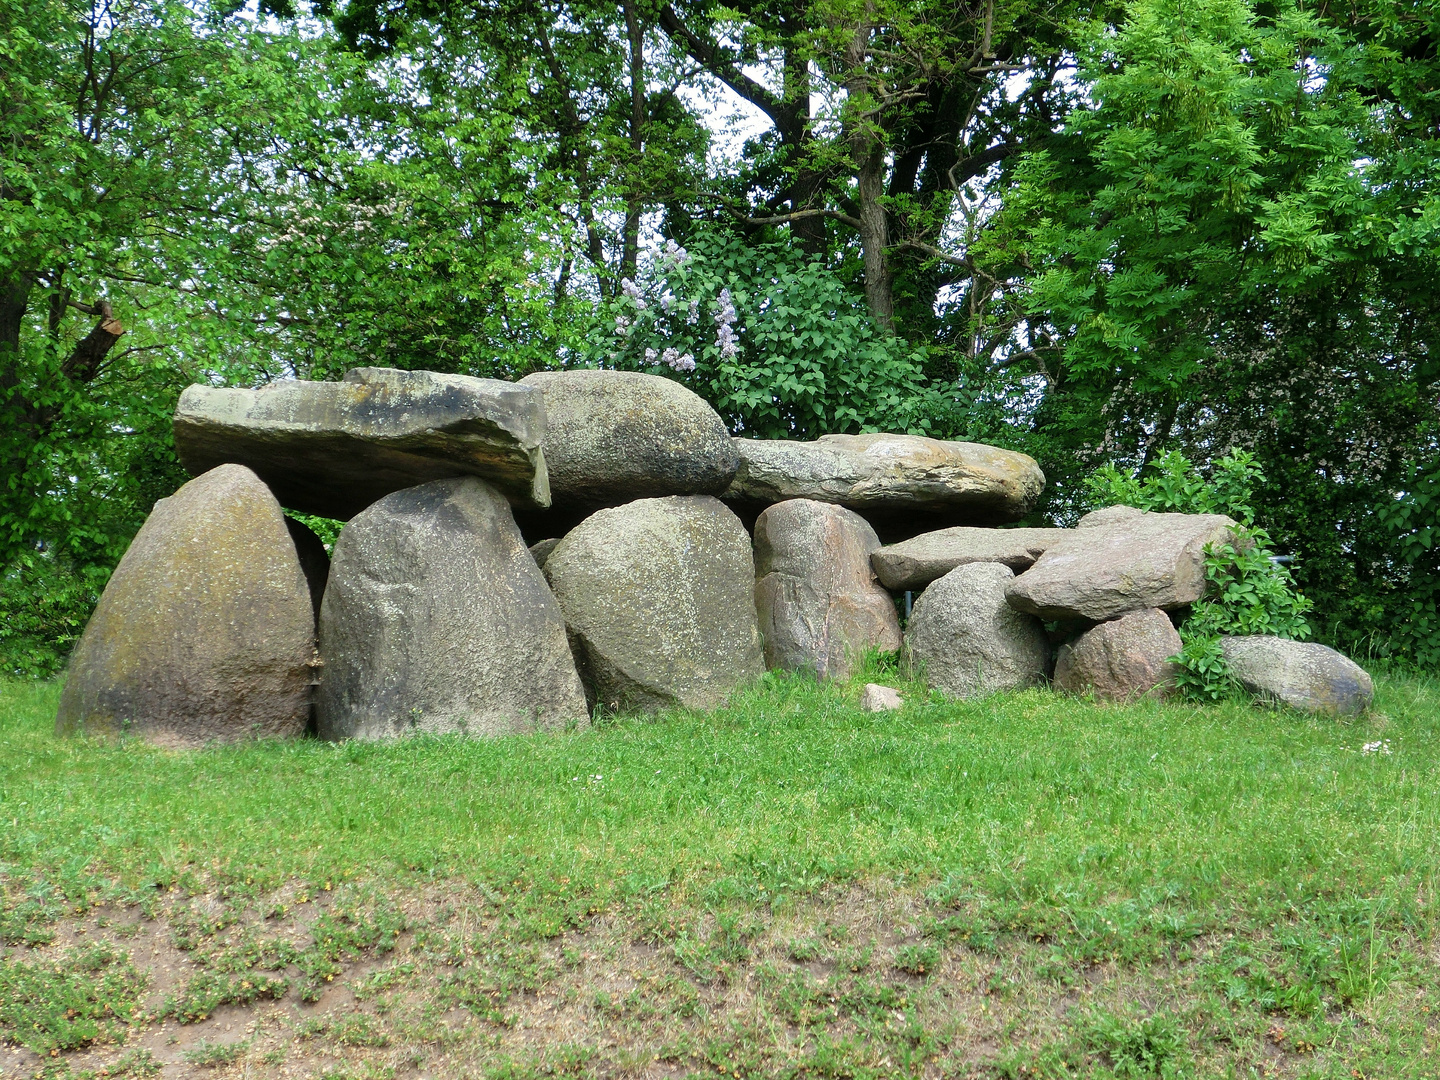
(877, 698)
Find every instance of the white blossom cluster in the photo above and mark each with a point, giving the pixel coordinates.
(725, 320)
(673, 357)
(674, 254)
(630, 289)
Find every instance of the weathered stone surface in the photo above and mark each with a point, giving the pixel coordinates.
(914, 563)
(541, 551)
(314, 559)
(659, 600)
(1300, 674)
(877, 698)
(1121, 660)
(819, 605)
(1103, 571)
(616, 436)
(333, 448)
(205, 631)
(1111, 515)
(968, 642)
(436, 619)
(898, 482)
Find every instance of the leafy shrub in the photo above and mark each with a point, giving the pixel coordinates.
(45, 601)
(776, 344)
(1249, 591)
(1413, 520)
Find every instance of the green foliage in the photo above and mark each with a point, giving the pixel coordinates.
(1203, 674)
(1412, 518)
(1136, 1047)
(1175, 485)
(775, 342)
(1248, 591)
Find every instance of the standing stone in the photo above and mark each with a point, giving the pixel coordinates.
(902, 484)
(333, 448)
(916, 562)
(205, 631)
(819, 604)
(1133, 562)
(437, 620)
(968, 642)
(1300, 674)
(1121, 660)
(615, 436)
(659, 598)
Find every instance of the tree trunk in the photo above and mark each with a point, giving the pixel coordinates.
(630, 249)
(806, 188)
(867, 152)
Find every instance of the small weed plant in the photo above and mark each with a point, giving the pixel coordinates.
(1249, 590)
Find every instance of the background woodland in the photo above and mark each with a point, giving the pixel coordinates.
(1097, 233)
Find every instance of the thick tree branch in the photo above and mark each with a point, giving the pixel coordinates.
(83, 363)
(715, 60)
(798, 215)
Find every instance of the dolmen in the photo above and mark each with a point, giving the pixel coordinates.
(518, 556)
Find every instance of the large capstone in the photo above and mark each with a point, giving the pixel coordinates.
(1129, 563)
(1301, 674)
(205, 631)
(659, 598)
(914, 563)
(819, 604)
(1120, 660)
(966, 641)
(333, 448)
(616, 436)
(901, 484)
(437, 620)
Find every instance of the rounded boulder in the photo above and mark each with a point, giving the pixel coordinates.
(437, 620)
(1123, 659)
(658, 597)
(205, 632)
(615, 436)
(968, 642)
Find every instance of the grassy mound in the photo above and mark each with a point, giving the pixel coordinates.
(1027, 885)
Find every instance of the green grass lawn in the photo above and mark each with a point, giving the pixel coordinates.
(1024, 886)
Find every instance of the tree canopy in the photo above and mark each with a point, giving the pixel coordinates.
(1095, 232)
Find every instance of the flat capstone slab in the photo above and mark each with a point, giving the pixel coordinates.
(334, 448)
(900, 483)
(915, 563)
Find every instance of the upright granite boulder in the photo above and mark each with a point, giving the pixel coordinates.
(1127, 563)
(437, 620)
(901, 484)
(968, 642)
(616, 436)
(659, 599)
(333, 448)
(1300, 674)
(914, 563)
(819, 604)
(205, 631)
(1123, 659)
